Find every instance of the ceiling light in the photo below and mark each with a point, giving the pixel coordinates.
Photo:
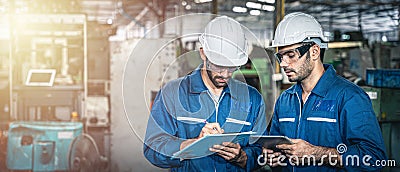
(253, 5)
(327, 34)
(109, 21)
(255, 12)
(345, 37)
(268, 7)
(239, 9)
(202, 1)
(267, 1)
(384, 38)
(184, 3)
(188, 7)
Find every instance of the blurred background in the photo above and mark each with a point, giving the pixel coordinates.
(77, 77)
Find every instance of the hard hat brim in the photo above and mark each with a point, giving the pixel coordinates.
(221, 60)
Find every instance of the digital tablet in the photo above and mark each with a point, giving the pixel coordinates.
(200, 148)
(270, 142)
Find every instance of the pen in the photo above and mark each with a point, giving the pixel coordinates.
(214, 128)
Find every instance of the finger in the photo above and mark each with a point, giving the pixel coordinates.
(210, 131)
(207, 130)
(288, 152)
(221, 152)
(224, 156)
(214, 126)
(230, 144)
(227, 149)
(201, 134)
(296, 140)
(283, 146)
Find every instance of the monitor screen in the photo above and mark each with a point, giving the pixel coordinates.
(40, 77)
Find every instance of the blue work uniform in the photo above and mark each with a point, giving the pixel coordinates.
(336, 112)
(182, 108)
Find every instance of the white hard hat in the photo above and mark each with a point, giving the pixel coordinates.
(224, 42)
(299, 27)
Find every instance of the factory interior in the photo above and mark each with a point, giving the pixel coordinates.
(78, 77)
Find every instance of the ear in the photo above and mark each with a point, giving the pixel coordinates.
(202, 55)
(315, 52)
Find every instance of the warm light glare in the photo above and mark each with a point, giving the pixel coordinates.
(253, 5)
(239, 9)
(255, 12)
(4, 32)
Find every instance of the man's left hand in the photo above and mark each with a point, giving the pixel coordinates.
(299, 149)
(231, 152)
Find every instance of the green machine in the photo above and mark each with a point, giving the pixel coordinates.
(39, 145)
(258, 73)
(385, 102)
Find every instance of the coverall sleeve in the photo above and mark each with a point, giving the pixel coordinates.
(160, 140)
(362, 133)
(254, 150)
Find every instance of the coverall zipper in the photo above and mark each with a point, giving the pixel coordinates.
(298, 124)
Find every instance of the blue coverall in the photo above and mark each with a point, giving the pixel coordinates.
(336, 112)
(180, 110)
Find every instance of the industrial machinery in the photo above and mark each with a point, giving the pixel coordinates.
(53, 124)
(41, 146)
(385, 103)
(258, 73)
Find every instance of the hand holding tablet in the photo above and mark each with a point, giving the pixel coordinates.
(270, 142)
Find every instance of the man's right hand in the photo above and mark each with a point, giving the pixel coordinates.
(272, 157)
(209, 128)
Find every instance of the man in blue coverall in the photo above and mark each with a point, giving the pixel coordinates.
(208, 101)
(330, 119)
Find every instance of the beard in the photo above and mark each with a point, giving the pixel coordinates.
(303, 72)
(214, 80)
